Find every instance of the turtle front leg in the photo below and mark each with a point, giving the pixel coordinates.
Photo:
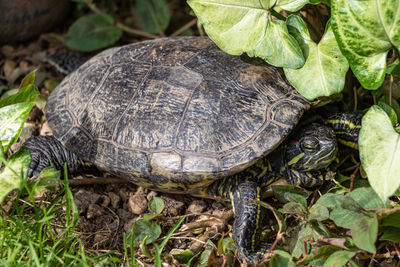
(48, 151)
(245, 200)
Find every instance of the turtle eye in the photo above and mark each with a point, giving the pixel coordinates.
(310, 144)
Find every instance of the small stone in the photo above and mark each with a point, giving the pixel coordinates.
(138, 203)
(93, 211)
(197, 206)
(84, 198)
(123, 194)
(106, 201)
(114, 199)
(173, 207)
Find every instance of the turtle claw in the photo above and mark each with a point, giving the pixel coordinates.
(48, 151)
(39, 158)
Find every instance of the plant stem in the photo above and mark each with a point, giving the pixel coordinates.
(135, 31)
(120, 25)
(315, 31)
(277, 15)
(184, 27)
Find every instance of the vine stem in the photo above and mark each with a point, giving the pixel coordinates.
(277, 14)
(390, 90)
(120, 25)
(184, 27)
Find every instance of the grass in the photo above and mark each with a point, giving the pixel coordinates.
(41, 232)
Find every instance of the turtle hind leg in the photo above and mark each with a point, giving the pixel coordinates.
(245, 200)
(48, 151)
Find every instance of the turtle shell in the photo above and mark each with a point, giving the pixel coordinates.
(174, 113)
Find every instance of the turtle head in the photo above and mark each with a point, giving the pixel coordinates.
(313, 147)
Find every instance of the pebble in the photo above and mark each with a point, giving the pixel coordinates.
(173, 207)
(197, 206)
(138, 202)
(114, 199)
(93, 211)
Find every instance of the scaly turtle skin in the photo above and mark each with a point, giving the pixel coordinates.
(181, 116)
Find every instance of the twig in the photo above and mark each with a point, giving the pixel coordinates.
(353, 175)
(93, 7)
(200, 28)
(89, 181)
(184, 27)
(355, 98)
(135, 31)
(120, 25)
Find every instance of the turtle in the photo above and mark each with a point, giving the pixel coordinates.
(179, 115)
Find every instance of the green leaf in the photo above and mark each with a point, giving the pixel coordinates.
(14, 172)
(26, 94)
(298, 236)
(153, 15)
(281, 258)
(394, 68)
(12, 119)
(392, 220)
(288, 193)
(318, 255)
(92, 32)
(238, 26)
(182, 256)
(28, 79)
(366, 31)
(145, 228)
(339, 258)
(48, 178)
(365, 232)
(390, 234)
(318, 212)
(324, 72)
(293, 208)
(156, 205)
(294, 5)
(364, 226)
(367, 198)
(389, 111)
(380, 152)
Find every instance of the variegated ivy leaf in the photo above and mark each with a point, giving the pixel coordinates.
(239, 26)
(380, 152)
(366, 31)
(15, 171)
(324, 72)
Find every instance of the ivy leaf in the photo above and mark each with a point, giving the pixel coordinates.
(366, 31)
(380, 152)
(15, 171)
(324, 72)
(28, 79)
(238, 26)
(295, 5)
(153, 15)
(92, 32)
(26, 94)
(12, 119)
